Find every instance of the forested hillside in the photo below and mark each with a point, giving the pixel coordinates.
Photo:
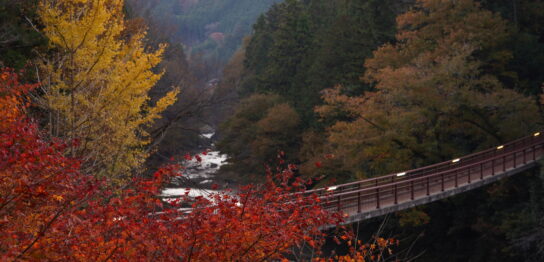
(211, 29)
(300, 49)
(297, 50)
(355, 89)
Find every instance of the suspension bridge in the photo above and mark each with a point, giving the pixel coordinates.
(378, 196)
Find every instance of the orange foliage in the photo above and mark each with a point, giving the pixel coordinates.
(50, 211)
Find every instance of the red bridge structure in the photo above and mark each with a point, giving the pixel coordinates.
(386, 194)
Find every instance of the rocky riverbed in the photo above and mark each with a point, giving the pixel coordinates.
(199, 177)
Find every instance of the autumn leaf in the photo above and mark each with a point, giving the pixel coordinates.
(110, 74)
(83, 219)
(188, 157)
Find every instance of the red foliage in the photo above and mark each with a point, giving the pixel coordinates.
(38, 185)
(50, 211)
(188, 157)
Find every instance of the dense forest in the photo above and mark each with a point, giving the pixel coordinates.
(103, 104)
(356, 89)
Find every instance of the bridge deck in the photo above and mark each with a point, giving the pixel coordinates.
(378, 196)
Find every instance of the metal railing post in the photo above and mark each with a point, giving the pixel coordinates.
(396, 197)
(359, 199)
(378, 198)
(428, 186)
(442, 182)
(412, 190)
(456, 179)
(492, 167)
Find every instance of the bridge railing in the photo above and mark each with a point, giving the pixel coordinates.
(431, 179)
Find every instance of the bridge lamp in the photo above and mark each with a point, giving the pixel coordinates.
(401, 174)
(537, 134)
(332, 188)
(456, 160)
(500, 147)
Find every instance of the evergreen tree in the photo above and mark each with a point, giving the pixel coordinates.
(19, 41)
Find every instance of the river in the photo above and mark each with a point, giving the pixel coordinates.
(198, 177)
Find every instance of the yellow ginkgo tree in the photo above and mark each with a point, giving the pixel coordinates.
(97, 82)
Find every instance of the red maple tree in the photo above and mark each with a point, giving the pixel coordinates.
(49, 210)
